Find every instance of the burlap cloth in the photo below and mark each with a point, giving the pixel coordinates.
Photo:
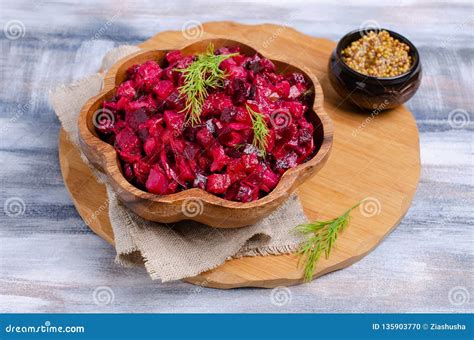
(184, 249)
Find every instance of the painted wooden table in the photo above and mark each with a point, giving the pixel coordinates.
(51, 262)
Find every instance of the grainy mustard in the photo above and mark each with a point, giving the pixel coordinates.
(378, 55)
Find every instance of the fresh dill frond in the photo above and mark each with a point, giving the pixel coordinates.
(322, 237)
(260, 130)
(199, 76)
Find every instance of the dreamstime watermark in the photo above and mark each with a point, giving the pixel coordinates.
(103, 117)
(192, 30)
(22, 109)
(280, 296)
(103, 295)
(455, 33)
(105, 27)
(285, 25)
(280, 118)
(459, 119)
(369, 26)
(370, 207)
(198, 289)
(192, 207)
(459, 296)
(14, 206)
(375, 112)
(14, 30)
(103, 207)
(47, 327)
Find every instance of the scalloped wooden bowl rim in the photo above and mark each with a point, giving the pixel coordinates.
(110, 159)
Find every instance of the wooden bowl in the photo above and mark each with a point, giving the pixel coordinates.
(197, 204)
(368, 92)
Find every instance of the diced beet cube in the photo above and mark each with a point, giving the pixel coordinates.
(127, 141)
(204, 163)
(163, 88)
(174, 120)
(109, 105)
(128, 145)
(172, 187)
(228, 114)
(173, 56)
(227, 64)
(215, 103)
(150, 146)
(231, 138)
(237, 72)
(295, 92)
(132, 71)
(122, 103)
(135, 118)
(146, 102)
(154, 125)
(267, 65)
(289, 132)
(175, 101)
(287, 162)
(119, 126)
(243, 116)
(246, 193)
(142, 132)
(191, 151)
(129, 157)
(254, 178)
(232, 191)
(249, 161)
(218, 183)
(283, 88)
(183, 169)
(141, 170)
(204, 137)
(147, 75)
(157, 182)
(200, 181)
(177, 145)
(292, 144)
(240, 90)
(126, 90)
(274, 78)
(269, 180)
(219, 158)
(184, 62)
(233, 134)
(165, 162)
(127, 171)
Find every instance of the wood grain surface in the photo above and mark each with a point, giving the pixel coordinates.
(50, 261)
(379, 163)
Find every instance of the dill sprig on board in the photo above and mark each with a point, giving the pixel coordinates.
(323, 236)
(260, 130)
(199, 76)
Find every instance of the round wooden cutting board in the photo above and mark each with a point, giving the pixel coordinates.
(375, 157)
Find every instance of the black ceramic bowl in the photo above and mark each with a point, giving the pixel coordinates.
(373, 93)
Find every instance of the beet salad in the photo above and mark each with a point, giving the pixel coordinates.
(221, 121)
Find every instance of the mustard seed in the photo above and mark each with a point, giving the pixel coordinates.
(378, 55)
